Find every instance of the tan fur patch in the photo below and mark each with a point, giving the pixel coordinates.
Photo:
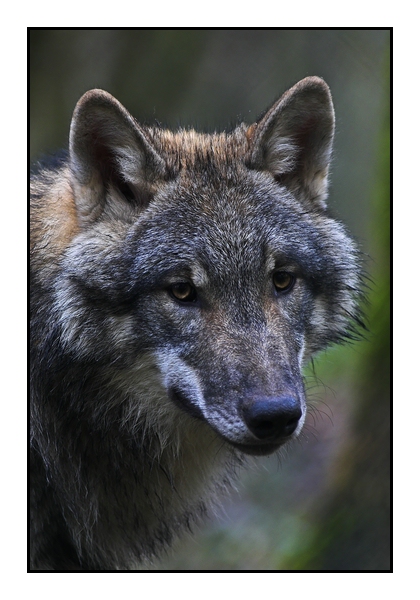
(53, 221)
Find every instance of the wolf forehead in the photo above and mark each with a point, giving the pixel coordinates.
(242, 217)
(237, 226)
(213, 193)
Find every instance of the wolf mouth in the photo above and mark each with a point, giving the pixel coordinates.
(181, 400)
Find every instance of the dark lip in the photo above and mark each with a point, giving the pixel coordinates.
(258, 449)
(181, 400)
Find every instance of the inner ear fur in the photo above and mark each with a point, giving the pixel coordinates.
(293, 140)
(108, 149)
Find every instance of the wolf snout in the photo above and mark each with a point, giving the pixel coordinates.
(272, 418)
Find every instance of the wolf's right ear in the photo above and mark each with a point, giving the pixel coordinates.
(293, 140)
(109, 150)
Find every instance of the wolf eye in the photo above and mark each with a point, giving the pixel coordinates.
(183, 292)
(283, 281)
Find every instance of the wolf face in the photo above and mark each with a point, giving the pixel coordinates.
(190, 276)
(214, 255)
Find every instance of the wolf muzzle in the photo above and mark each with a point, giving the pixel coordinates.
(252, 422)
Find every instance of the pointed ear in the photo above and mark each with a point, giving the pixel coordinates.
(109, 152)
(293, 140)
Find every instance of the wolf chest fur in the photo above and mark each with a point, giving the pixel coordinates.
(179, 282)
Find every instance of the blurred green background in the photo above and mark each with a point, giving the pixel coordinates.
(325, 503)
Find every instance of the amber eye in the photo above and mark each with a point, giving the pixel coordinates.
(283, 281)
(183, 292)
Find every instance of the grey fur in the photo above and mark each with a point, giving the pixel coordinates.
(162, 350)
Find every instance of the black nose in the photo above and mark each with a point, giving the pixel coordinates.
(271, 418)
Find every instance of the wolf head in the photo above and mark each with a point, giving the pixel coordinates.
(212, 259)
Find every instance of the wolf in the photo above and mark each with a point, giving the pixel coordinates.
(179, 283)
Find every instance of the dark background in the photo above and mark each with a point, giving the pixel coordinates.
(324, 505)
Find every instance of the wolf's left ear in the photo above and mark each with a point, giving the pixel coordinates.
(293, 140)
